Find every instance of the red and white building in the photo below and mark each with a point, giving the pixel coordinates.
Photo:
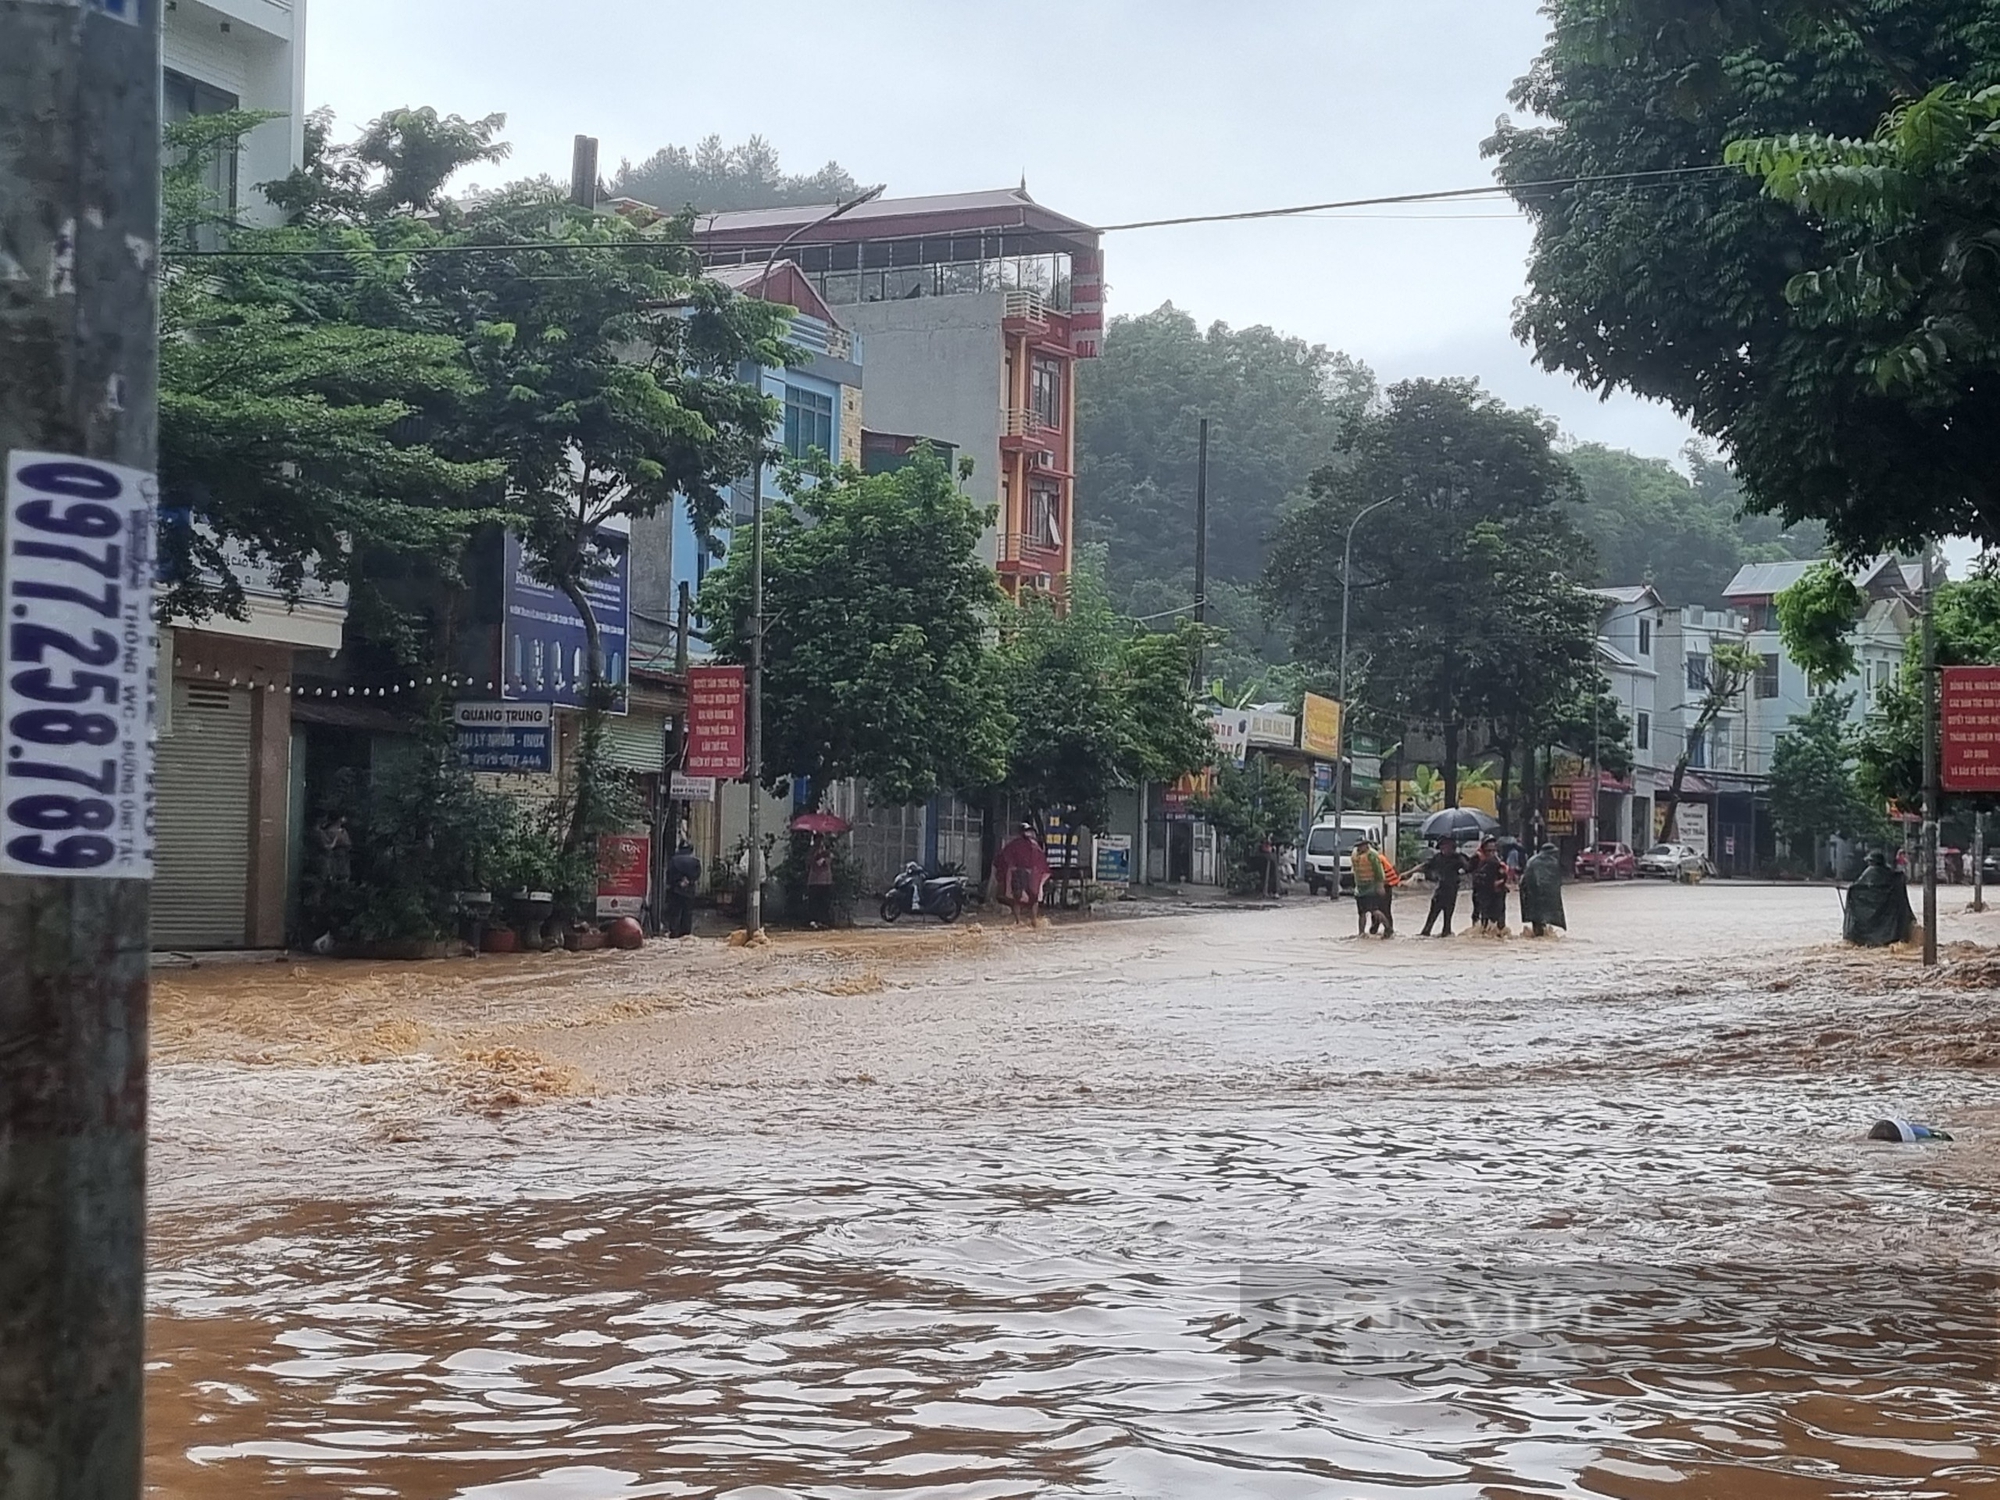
(973, 309)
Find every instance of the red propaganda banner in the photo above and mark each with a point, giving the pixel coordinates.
(1582, 799)
(1969, 729)
(624, 865)
(715, 722)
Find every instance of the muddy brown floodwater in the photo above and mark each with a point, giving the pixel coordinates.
(1211, 1205)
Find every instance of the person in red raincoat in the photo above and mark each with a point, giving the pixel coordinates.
(1020, 870)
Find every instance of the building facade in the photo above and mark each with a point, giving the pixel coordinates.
(975, 308)
(231, 754)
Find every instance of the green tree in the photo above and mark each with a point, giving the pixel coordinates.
(715, 178)
(1094, 706)
(607, 386)
(1816, 618)
(1276, 406)
(1730, 670)
(878, 609)
(1253, 807)
(1769, 328)
(292, 393)
(1814, 790)
(1462, 598)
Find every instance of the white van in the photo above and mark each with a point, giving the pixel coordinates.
(1329, 861)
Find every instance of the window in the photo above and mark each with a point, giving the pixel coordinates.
(1697, 674)
(1045, 517)
(1045, 392)
(1642, 730)
(183, 98)
(808, 422)
(1767, 677)
(1698, 749)
(1645, 636)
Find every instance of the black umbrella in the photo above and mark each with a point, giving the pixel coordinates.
(1459, 823)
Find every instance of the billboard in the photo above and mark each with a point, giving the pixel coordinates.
(715, 723)
(624, 866)
(1319, 727)
(1969, 729)
(541, 634)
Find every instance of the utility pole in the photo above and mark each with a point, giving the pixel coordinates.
(1979, 862)
(583, 172)
(1340, 724)
(1929, 844)
(80, 225)
(1201, 549)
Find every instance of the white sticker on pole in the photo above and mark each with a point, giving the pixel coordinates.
(79, 675)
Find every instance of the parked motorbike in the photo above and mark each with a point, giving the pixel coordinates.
(917, 892)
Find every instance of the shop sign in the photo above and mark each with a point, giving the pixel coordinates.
(1319, 727)
(508, 738)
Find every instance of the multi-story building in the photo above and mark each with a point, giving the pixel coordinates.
(221, 55)
(975, 308)
(231, 756)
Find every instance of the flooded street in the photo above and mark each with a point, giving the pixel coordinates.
(1222, 1203)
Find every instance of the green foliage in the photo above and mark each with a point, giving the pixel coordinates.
(1093, 707)
(1843, 356)
(1814, 790)
(1816, 616)
(398, 165)
(1916, 209)
(1276, 406)
(715, 178)
(1648, 523)
(1464, 605)
(878, 607)
(1257, 805)
(289, 396)
(422, 831)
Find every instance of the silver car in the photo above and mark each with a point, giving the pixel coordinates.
(1672, 861)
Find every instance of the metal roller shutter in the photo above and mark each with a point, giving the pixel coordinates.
(202, 824)
(636, 741)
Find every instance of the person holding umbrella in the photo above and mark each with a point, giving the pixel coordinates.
(1445, 868)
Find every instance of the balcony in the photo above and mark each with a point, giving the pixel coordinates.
(1023, 554)
(1024, 310)
(1021, 430)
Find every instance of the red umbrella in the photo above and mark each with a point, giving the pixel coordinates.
(819, 822)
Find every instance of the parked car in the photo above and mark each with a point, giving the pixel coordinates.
(1607, 862)
(1671, 861)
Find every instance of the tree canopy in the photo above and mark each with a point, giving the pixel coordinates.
(1094, 705)
(1814, 790)
(713, 178)
(1465, 604)
(1705, 292)
(876, 662)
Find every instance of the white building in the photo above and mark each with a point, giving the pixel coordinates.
(241, 54)
(230, 759)
(1783, 689)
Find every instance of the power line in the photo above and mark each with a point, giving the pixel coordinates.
(1662, 175)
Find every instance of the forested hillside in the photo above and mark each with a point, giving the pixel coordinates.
(1276, 406)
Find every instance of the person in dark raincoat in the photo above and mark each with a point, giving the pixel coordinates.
(1489, 889)
(1878, 906)
(1445, 868)
(1542, 892)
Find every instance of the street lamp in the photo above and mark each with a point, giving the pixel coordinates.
(753, 895)
(1340, 725)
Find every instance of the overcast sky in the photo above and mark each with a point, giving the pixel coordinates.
(1113, 109)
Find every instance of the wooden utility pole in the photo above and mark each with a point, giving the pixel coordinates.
(79, 231)
(1201, 554)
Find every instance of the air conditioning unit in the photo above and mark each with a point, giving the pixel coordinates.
(1045, 459)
